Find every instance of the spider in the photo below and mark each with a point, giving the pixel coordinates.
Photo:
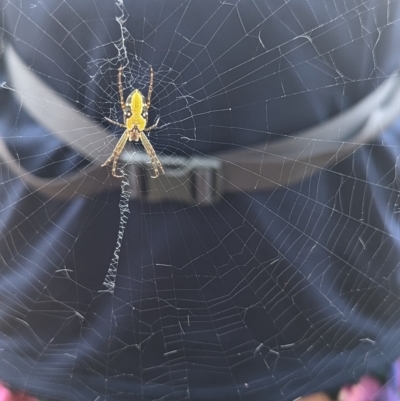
(135, 111)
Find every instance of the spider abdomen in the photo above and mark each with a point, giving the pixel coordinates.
(136, 111)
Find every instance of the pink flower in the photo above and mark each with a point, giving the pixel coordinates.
(367, 389)
(7, 395)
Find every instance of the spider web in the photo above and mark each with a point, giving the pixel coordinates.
(266, 291)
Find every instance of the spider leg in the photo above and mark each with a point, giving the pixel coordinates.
(119, 147)
(121, 92)
(155, 162)
(115, 122)
(153, 126)
(150, 87)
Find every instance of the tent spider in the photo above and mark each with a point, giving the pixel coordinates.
(135, 111)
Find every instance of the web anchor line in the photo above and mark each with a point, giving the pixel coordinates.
(126, 190)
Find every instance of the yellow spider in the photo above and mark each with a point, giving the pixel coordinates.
(135, 121)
